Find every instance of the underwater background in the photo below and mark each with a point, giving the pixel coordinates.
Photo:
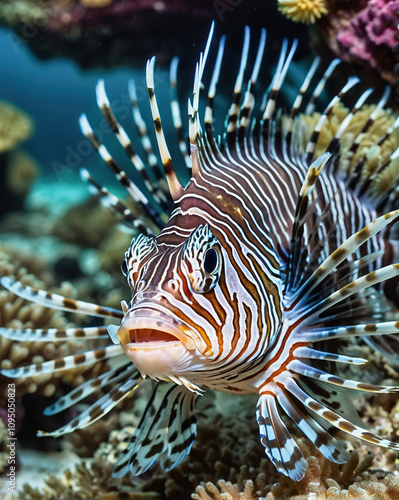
(55, 235)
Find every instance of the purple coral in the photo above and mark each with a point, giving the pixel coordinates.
(369, 33)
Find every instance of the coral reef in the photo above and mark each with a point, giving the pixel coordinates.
(369, 147)
(365, 32)
(95, 4)
(22, 171)
(15, 127)
(20, 314)
(87, 481)
(87, 224)
(303, 11)
(322, 481)
(4, 452)
(18, 170)
(227, 446)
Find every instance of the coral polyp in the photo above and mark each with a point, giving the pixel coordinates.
(303, 11)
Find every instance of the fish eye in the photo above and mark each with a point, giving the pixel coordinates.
(211, 261)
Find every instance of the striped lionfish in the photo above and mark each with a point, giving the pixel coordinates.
(263, 259)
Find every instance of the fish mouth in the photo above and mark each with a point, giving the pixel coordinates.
(158, 345)
(151, 328)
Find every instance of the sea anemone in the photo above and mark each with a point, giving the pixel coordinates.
(303, 11)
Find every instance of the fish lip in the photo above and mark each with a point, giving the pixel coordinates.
(147, 321)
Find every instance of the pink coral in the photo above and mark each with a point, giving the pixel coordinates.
(367, 32)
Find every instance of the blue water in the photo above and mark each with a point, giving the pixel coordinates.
(54, 93)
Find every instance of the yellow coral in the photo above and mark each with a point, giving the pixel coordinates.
(15, 127)
(374, 152)
(303, 11)
(95, 4)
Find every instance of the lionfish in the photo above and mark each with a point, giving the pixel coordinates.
(264, 259)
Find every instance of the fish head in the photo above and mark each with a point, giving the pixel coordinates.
(166, 330)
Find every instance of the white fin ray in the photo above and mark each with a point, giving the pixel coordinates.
(67, 363)
(335, 419)
(332, 449)
(280, 447)
(54, 334)
(97, 410)
(114, 205)
(175, 188)
(343, 252)
(56, 301)
(90, 386)
(308, 353)
(166, 431)
(306, 370)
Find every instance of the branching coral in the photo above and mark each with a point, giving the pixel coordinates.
(303, 11)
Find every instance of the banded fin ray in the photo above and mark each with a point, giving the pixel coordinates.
(100, 408)
(105, 107)
(176, 115)
(343, 252)
(335, 419)
(280, 447)
(306, 370)
(54, 334)
(329, 446)
(136, 194)
(319, 334)
(310, 353)
(114, 205)
(166, 431)
(91, 386)
(56, 301)
(66, 363)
